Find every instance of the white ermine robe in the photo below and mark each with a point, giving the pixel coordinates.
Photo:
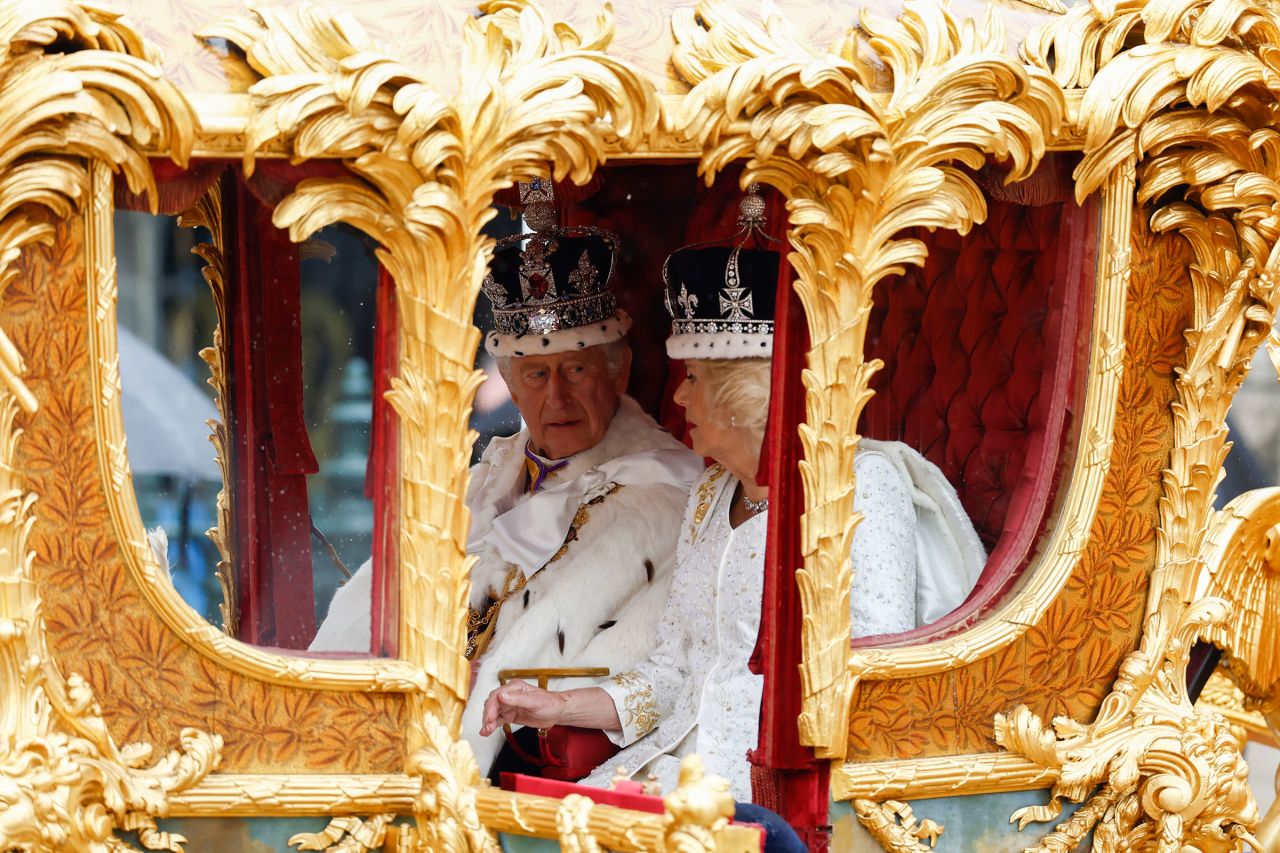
(694, 693)
(597, 544)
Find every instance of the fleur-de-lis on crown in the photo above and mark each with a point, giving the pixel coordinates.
(687, 302)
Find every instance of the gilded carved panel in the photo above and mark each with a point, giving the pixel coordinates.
(151, 682)
(1065, 664)
(425, 34)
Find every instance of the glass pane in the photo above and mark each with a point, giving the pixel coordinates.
(292, 331)
(339, 276)
(166, 316)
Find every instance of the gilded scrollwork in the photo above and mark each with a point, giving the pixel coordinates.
(100, 100)
(346, 835)
(573, 821)
(1242, 566)
(893, 824)
(425, 164)
(1152, 772)
(858, 168)
(1182, 87)
(207, 213)
(65, 783)
(696, 810)
(77, 91)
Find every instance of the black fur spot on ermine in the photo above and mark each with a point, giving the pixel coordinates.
(526, 599)
(648, 570)
(604, 626)
(560, 640)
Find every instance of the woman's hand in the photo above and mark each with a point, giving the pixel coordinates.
(522, 704)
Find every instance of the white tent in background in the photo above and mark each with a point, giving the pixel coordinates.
(164, 415)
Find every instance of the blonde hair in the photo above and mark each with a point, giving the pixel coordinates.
(739, 391)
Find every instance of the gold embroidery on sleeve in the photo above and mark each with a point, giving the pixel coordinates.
(641, 710)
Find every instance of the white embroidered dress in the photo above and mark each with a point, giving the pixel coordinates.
(694, 693)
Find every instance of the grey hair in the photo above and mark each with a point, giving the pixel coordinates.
(614, 353)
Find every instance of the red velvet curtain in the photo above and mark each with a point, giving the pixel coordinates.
(271, 452)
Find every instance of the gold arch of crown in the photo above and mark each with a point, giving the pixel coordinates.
(858, 169)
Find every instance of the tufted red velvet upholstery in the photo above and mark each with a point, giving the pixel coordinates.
(980, 349)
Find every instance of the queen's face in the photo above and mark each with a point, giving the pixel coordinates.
(709, 431)
(567, 399)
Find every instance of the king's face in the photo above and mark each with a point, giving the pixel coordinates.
(567, 399)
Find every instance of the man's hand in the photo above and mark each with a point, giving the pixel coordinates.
(522, 704)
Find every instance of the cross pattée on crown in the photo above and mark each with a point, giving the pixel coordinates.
(735, 306)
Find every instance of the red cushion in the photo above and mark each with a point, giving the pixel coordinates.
(979, 349)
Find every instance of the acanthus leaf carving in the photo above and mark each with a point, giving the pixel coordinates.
(92, 102)
(696, 810)
(859, 168)
(1152, 772)
(346, 835)
(1187, 90)
(206, 213)
(893, 824)
(426, 163)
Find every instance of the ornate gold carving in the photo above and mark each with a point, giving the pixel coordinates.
(938, 776)
(1067, 627)
(894, 825)
(1152, 772)
(425, 168)
(698, 807)
(346, 835)
(94, 100)
(122, 506)
(573, 820)
(857, 170)
(1151, 769)
(228, 794)
(1223, 697)
(207, 213)
(612, 828)
(1240, 559)
(99, 100)
(622, 829)
(446, 805)
(66, 783)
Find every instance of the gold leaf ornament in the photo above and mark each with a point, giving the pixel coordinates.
(98, 97)
(697, 809)
(426, 161)
(346, 835)
(894, 825)
(1152, 772)
(1187, 90)
(858, 166)
(95, 100)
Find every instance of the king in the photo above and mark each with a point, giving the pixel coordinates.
(574, 519)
